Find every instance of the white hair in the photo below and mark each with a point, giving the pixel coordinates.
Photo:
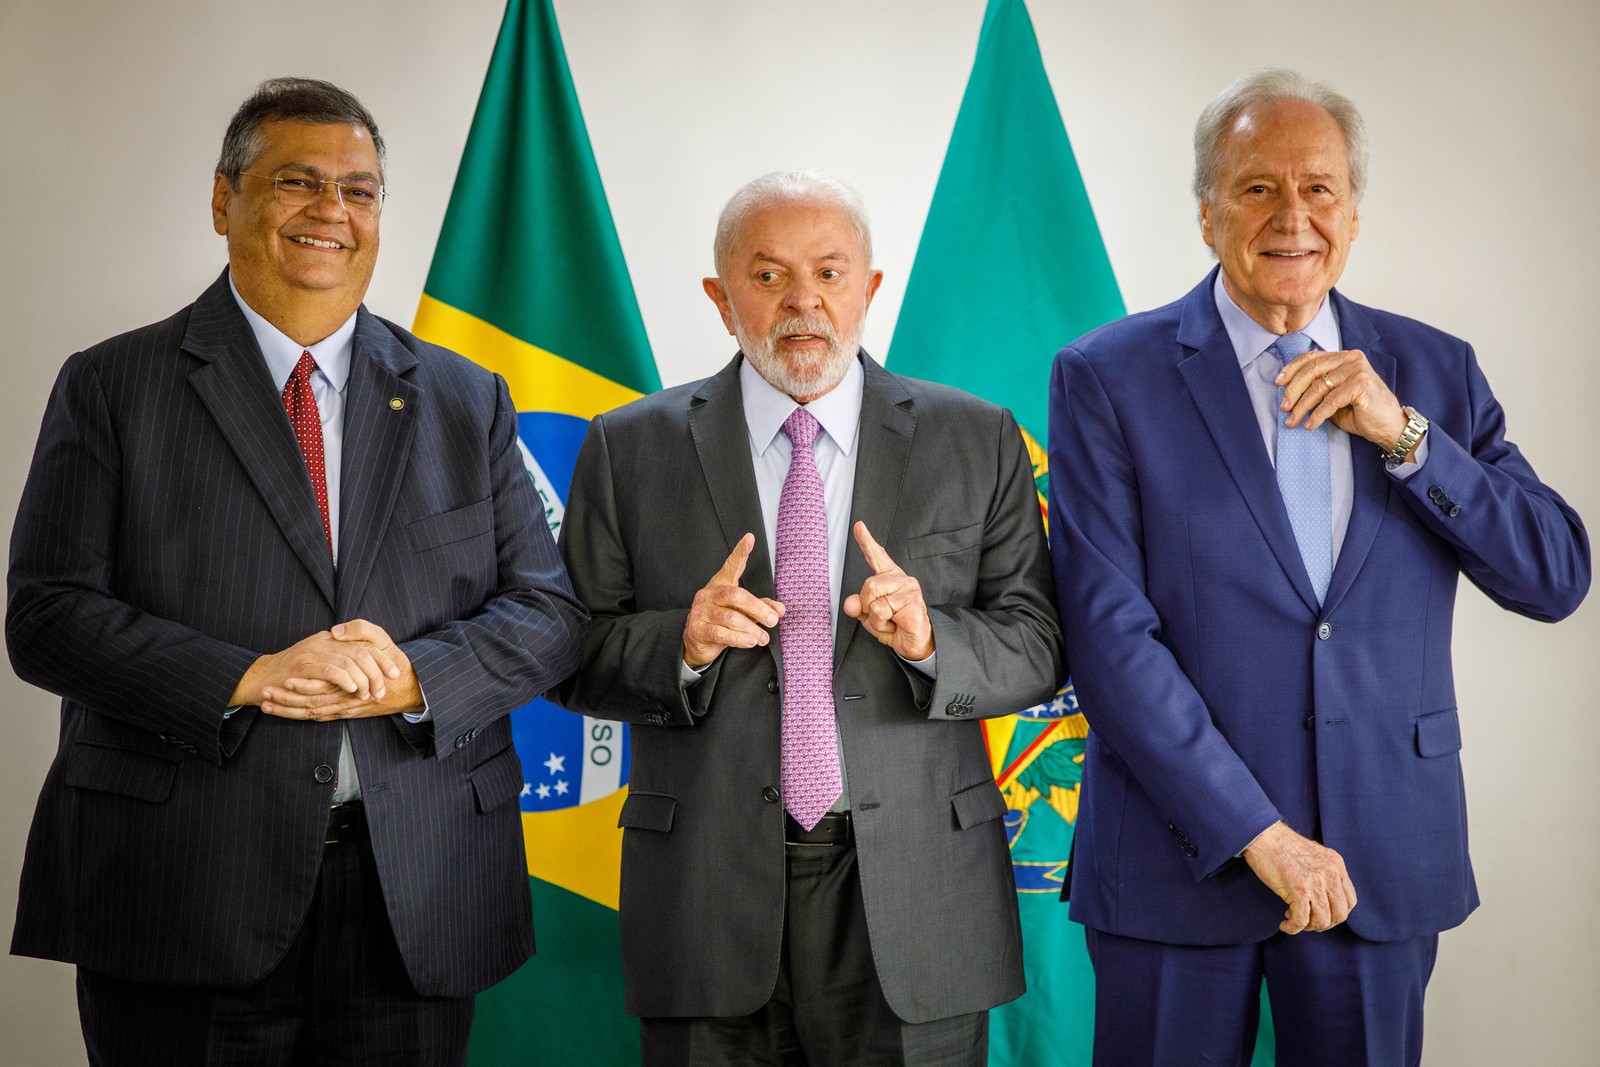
(1269, 86)
(787, 186)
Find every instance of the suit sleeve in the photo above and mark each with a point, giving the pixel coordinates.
(1516, 539)
(1001, 652)
(524, 639)
(1131, 688)
(630, 657)
(66, 631)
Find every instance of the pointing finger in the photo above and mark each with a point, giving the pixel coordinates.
(733, 567)
(877, 558)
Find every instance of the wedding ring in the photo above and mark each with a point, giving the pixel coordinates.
(1328, 382)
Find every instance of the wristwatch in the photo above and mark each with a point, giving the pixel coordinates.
(1416, 426)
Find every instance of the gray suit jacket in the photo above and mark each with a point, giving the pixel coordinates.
(167, 537)
(664, 488)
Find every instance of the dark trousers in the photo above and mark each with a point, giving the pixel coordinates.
(1337, 1000)
(340, 996)
(827, 1009)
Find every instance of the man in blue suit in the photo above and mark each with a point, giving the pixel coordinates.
(1262, 496)
(284, 565)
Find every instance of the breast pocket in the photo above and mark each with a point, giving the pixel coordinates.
(452, 527)
(945, 562)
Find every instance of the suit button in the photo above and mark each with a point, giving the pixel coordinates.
(323, 773)
(1324, 632)
(770, 794)
(1453, 510)
(462, 740)
(1311, 722)
(1435, 494)
(772, 685)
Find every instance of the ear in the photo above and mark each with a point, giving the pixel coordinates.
(1355, 223)
(719, 296)
(1205, 227)
(874, 280)
(221, 199)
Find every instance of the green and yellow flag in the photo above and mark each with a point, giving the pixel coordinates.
(1010, 268)
(529, 280)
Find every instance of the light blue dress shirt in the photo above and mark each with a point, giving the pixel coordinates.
(1260, 368)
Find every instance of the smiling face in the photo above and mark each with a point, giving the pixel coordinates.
(796, 292)
(307, 264)
(1282, 215)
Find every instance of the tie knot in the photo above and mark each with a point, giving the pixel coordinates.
(305, 368)
(1291, 346)
(801, 428)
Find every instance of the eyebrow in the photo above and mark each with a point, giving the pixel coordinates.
(762, 257)
(316, 172)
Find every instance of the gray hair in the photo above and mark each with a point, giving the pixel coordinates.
(1269, 86)
(289, 100)
(787, 186)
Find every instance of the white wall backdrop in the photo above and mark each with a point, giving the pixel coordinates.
(1482, 218)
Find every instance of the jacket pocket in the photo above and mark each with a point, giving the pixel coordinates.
(448, 527)
(497, 779)
(944, 542)
(978, 804)
(648, 811)
(125, 772)
(1438, 733)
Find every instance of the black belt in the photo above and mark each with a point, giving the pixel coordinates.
(832, 829)
(346, 822)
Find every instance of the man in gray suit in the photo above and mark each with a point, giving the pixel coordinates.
(283, 563)
(814, 863)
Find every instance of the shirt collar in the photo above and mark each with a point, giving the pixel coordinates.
(332, 353)
(1250, 338)
(766, 409)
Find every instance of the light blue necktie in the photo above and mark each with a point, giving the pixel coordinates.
(1304, 481)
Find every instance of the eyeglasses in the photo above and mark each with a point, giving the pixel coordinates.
(298, 190)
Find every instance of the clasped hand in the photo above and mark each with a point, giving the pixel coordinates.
(352, 671)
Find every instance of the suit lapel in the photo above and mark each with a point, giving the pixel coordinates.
(1212, 374)
(380, 421)
(233, 383)
(883, 448)
(1370, 497)
(722, 444)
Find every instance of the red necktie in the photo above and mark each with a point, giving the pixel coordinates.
(301, 404)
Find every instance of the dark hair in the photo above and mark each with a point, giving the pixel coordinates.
(289, 100)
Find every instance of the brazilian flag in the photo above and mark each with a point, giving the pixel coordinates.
(529, 280)
(1010, 268)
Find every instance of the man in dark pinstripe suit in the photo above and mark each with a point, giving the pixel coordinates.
(282, 827)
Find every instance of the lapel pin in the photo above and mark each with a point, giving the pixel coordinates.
(395, 403)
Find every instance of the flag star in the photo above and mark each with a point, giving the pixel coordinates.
(561, 787)
(544, 792)
(527, 789)
(556, 763)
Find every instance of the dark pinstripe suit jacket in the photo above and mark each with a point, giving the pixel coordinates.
(167, 537)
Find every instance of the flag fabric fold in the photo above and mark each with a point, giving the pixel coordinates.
(528, 279)
(1010, 267)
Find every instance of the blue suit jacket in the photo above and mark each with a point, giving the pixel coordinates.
(167, 537)
(1221, 696)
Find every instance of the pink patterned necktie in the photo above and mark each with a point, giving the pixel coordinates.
(301, 405)
(812, 779)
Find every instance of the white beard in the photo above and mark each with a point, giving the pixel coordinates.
(809, 379)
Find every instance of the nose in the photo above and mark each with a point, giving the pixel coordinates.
(329, 201)
(1292, 213)
(803, 295)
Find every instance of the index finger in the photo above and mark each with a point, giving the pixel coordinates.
(877, 558)
(732, 568)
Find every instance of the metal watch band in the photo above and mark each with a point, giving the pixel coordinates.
(1416, 426)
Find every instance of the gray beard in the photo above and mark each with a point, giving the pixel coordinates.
(811, 379)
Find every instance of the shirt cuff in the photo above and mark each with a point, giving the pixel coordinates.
(927, 665)
(1403, 470)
